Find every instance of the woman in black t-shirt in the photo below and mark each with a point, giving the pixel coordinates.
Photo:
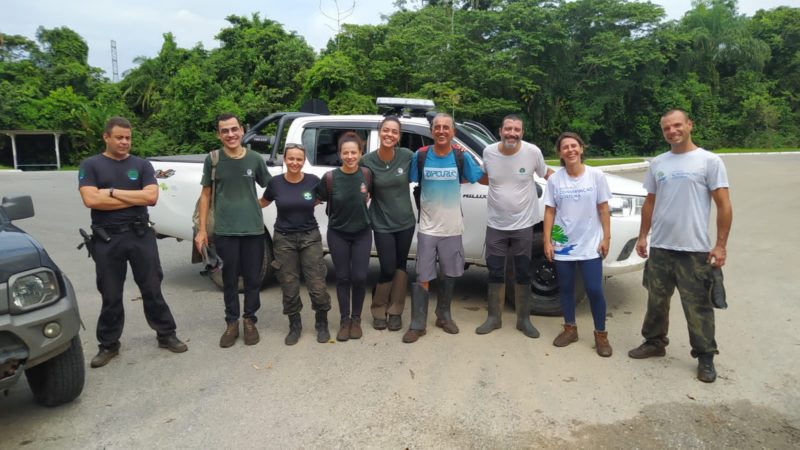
(297, 243)
(346, 190)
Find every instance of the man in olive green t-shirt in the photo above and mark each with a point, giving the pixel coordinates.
(238, 223)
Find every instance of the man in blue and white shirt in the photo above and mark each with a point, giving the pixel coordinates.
(440, 224)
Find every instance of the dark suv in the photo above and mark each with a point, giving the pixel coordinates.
(39, 318)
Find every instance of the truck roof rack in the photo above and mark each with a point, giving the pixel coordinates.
(405, 107)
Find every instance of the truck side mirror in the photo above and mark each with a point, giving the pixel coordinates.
(18, 207)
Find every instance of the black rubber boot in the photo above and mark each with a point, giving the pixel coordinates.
(494, 320)
(295, 329)
(419, 314)
(321, 325)
(444, 319)
(522, 301)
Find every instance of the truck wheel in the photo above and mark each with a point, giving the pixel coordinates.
(544, 283)
(266, 272)
(60, 379)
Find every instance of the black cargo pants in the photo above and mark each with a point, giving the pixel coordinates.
(111, 265)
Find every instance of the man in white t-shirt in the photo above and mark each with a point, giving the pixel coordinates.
(512, 212)
(680, 185)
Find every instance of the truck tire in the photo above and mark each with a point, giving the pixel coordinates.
(544, 283)
(59, 380)
(266, 267)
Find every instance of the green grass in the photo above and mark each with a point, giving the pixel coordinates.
(601, 161)
(755, 150)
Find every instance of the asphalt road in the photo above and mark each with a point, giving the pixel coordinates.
(465, 391)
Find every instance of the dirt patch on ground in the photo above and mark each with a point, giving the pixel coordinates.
(736, 425)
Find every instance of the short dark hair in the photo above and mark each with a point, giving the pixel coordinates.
(577, 137)
(443, 114)
(116, 122)
(513, 117)
(679, 110)
(390, 119)
(226, 116)
(351, 136)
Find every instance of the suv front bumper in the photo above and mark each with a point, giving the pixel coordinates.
(22, 341)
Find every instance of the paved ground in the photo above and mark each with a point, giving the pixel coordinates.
(464, 391)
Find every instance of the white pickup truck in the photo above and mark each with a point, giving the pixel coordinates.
(179, 181)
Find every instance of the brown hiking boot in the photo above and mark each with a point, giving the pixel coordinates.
(355, 328)
(449, 326)
(172, 343)
(344, 330)
(229, 336)
(601, 343)
(412, 336)
(103, 357)
(568, 336)
(647, 350)
(250, 332)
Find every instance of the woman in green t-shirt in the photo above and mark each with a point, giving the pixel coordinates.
(346, 190)
(393, 223)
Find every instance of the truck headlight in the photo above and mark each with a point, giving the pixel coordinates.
(625, 205)
(33, 289)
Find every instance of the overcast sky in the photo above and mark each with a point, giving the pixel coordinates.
(137, 26)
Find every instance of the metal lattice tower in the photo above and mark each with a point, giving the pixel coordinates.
(114, 68)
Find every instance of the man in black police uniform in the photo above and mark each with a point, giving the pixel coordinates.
(118, 188)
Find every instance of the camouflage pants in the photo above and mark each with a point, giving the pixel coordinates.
(691, 274)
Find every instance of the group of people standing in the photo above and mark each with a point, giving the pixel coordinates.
(368, 198)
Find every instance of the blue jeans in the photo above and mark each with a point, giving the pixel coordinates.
(592, 274)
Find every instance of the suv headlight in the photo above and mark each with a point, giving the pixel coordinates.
(33, 289)
(625, 205)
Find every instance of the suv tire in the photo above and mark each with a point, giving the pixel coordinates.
(60, 379)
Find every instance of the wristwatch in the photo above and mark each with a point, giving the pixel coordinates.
(111, 192)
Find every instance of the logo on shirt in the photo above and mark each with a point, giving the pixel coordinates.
(660, 176)
(307, 195)
(133, 175)
(81, 174)
(441, 174)
(400, 171)
(560, 240)
(521, 170)
(363, 188)
(249, 172)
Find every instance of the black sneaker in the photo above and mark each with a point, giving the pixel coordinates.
(172, 343)
(103, 357)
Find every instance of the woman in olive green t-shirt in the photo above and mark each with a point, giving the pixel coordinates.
(393, 223)
(346, 190)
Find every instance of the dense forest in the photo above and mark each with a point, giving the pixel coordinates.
(604, 68)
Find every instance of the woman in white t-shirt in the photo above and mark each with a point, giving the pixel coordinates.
(577, 232)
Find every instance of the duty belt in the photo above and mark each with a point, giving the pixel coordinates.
(118, 229)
